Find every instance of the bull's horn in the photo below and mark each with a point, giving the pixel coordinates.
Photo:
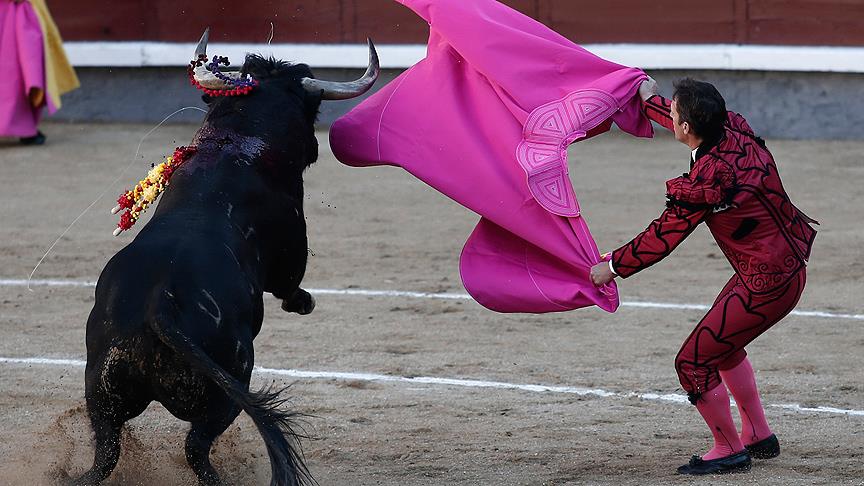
(202, 44)
(334, 90)
(204, 77)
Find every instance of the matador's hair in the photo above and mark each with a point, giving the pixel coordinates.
(702, 106)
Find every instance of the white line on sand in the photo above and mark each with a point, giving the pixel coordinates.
(437, 296)
(453, 382)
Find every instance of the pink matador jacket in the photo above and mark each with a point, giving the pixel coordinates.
(486, 119)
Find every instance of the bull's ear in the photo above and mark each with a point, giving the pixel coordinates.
(206, 98)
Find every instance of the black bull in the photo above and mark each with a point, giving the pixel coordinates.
(177, 310)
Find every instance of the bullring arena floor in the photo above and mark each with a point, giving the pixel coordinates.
(407, 381)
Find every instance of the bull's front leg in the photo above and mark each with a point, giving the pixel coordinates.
(300, 302)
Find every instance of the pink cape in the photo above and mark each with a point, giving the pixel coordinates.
(23, 68)
(486, 119)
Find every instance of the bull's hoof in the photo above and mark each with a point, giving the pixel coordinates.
(210, 478)
(308, 307)
(85, 480)
(303, 303)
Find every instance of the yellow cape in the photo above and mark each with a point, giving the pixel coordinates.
(60, 77)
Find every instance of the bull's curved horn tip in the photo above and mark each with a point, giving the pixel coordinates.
(115, 209)
(117, 232)
(373, 53)
(202, 44)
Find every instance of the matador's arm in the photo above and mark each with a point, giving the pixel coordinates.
(658, 109)
(692, 198)
(658, 240)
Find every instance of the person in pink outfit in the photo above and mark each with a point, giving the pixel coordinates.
(36, 71)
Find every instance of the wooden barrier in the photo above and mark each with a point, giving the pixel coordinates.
(783, 22)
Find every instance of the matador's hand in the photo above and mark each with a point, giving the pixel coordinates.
(601, 274)
(648, 88)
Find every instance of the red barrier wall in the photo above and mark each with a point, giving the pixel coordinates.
(792, 22)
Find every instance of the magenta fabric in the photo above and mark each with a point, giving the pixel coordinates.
(23, 68)
(486, 119)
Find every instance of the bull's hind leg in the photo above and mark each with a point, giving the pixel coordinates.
(107, 432)
(108, 412)
(200, 440)
(106, 428)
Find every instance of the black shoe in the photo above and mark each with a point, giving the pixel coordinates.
(765, 448)
(738, 462)
(37, 139)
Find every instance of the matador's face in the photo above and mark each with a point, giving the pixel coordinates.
(681, 129)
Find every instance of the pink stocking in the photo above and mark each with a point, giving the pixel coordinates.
(741, 382)
(713, 405)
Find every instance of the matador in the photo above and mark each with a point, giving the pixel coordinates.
(732, 186)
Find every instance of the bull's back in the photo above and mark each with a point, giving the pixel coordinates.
(205, 278)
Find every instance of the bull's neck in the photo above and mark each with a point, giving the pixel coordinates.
(224, 141)
(234, 173)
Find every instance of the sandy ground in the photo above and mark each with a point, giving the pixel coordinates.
(379, 228)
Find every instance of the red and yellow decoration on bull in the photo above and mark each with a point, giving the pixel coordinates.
(135, 201)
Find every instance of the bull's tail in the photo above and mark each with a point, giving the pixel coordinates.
(276, 426)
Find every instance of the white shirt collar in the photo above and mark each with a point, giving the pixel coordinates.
(693, 154)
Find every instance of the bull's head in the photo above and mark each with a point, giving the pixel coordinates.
(271, 100)
(328, 90)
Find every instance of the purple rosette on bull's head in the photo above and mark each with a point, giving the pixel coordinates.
(177, 309)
